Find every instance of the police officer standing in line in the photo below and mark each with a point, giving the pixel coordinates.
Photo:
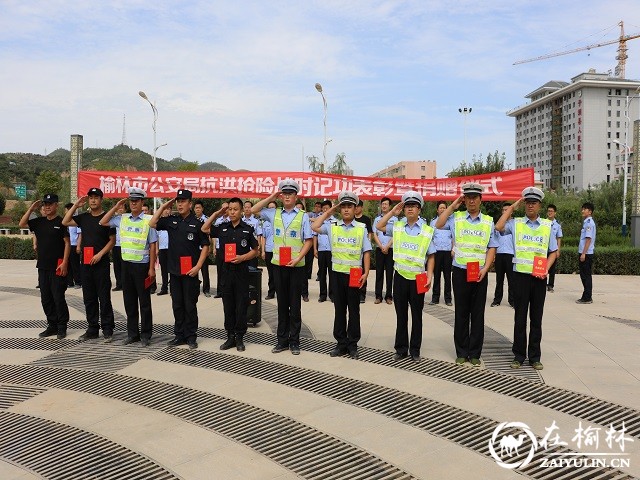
(384, 256)
(556, 232)
(266, 248)
(308, 259)
(531, 238)
(188, 250)
(443, 241)
(322, 251)
(138, 242)
(235, 297)
(413, 248)
(291, 234)
(474, 241)
(74, 278)
(97, 242)
(219, 258)
(350, 248)
(117, 256)
(585, 250)
(53, 263)
(250, 219)
(504, 265)
(367, 221)
(163, 256)
(198, 209)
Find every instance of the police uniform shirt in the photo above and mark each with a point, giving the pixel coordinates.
(325, 229)
(73, 235)
(152, 237)
(50, 235)
(509, 229)
(324, 243)
(185, 238)
(287, 217)
(163, 240)
(493, 238)
(505, 243)
(93, 234)
(216, 223)
(588, 231)
(382, 235)
(443, 237)
(413, 231)
(556, 229)
(243, 235)
(255, 223)
(267, 233)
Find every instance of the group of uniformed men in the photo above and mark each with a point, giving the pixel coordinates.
(411, 254)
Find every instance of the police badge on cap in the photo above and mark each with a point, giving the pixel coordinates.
(412, 197)
(289, 185)
(137, 193)
(348, 197)
(472, 188)
(532, 194)
(184, 194)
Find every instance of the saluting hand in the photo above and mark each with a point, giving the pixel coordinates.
(457, 202)
(517, 203)
(35, 205)
(81, 201)
(397, 209)
(168, 204)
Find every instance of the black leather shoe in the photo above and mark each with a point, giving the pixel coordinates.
(495, 304)
(399, 356)
(305, 298)
(61, 335)
(354, 354)
(163, 292)
(240, 344)
(192, 344)
(130, 340)
(433, 303)
(177, 342)
(230, 343)
(336, 352)
(295, 349)
(116, 289)
(49, 332)
(448, 304)
(279, 348)
(269, 297)
(145, 342)
(415, 357)
(322, 299)
(217, 295)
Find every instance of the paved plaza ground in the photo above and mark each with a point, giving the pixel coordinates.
(96, 410)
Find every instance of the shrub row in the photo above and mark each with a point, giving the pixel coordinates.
(17, 248)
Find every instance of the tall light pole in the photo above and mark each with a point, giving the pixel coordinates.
(624, 187)
(324, 148)
(155, 148)
(465, 111)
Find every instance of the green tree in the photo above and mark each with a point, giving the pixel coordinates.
(339, 166)
(3, 203)
(188, 167)
(496, 162)
(314, 163)
(48, 182)
(18, 211)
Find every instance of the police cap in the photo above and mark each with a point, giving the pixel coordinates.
(95, 191)
(348, 197)
(412, 197)
(184, 194)
(288, 185)
(472, 188)
(137, 193)
(533, 193)
(50, 198)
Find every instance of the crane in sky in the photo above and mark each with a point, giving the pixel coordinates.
(621, 57)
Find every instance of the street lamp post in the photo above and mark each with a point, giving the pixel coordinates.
(324, 148)
(155, 148)
(624, 187)
(465, 111)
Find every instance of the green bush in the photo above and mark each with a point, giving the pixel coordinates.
(611, 260)
(17, 248)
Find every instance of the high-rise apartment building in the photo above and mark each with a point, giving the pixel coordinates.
(574, 134)
(410, 169)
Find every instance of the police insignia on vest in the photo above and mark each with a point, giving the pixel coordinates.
(243, 242)
(190, 236)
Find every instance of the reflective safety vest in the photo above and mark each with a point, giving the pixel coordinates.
(133, 238)
(346, 246)
(471, 239)
(530, 243)
(410, 252)
(292, 236)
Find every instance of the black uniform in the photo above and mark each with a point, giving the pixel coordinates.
(235, 293)
(50, 235)
(185, 240)
(96, 279)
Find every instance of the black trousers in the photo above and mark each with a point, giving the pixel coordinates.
(308, 268)
(134, 295)
(235, 299)
(442, 266)
(52, 288)
(96, 293)
(289, 282)
(184, 298)
(346, 298)
(503, 265)
(206, 281)
(384, 270)
(163, 259)
(219, 271)
(271, 282)
(363, 289)
(585, 276)
(551, 277)
(470, 299)
(405, 296)
(325, 274)
(73, 276)
(529, 295)
(117, 265)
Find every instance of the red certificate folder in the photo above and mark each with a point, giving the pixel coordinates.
(539, 267)
(87, 255)
(148, 282)
(58, 271)
(229, 252)
(285, 255)
(421, 283)
(185, 265)
(473, 271)
(355, 273)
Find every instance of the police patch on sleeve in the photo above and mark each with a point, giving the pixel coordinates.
(190, 236)
(243, 243)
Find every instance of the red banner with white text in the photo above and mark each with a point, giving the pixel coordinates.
(507, 185)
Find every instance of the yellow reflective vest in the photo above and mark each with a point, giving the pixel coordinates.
(410, 251)
(346, 246)
(530, 243)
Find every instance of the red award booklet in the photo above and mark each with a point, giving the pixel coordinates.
(58, 271)
(148, 282)
(539, 267)
(285, 255)
(229, 252)
(422, 284)
(354, 277)
(185, 265)
(87, 255)
(473, 271)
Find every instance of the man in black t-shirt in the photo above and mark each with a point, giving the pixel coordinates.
(53, 263)
(97, 242)
(367, 222)
(187, 253)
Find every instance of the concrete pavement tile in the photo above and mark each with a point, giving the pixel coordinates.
(9, 471)
(20, 357)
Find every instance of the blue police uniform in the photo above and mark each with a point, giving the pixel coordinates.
(556, 232)
(588, 231)
(384, 262)
(324, 262)
(504, 266)
(443, 241)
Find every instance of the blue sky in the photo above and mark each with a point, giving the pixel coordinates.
(234, 81)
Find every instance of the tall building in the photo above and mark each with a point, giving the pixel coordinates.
(568, 131)
(410, 169)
